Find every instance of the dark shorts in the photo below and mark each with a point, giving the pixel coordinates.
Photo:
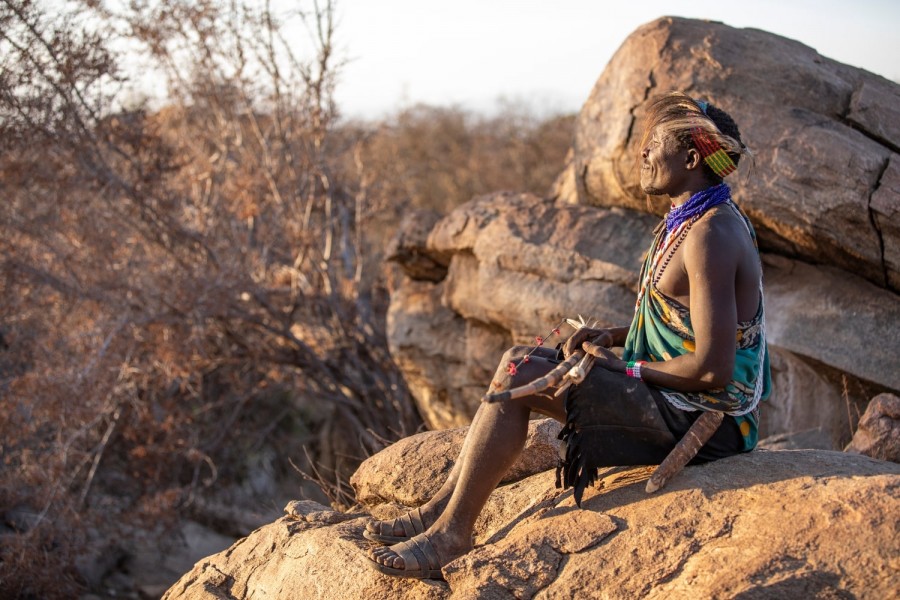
(615, 420)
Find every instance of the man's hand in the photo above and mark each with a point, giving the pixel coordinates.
(597, 337)
(604, 357)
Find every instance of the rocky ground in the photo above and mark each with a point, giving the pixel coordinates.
(769, 524)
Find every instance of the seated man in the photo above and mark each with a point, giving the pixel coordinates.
(696, 343)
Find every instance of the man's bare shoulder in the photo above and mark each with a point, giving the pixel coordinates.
(718, 230)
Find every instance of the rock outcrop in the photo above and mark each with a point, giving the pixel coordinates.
(878, 434)
(822, 194)
(825, 137)
(519, 263)
(785, 524)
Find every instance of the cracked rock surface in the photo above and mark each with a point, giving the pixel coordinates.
(519, 263)
(822, 133)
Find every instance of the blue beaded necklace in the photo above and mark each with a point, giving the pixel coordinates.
(697, 204)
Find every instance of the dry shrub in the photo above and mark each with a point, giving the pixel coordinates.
(440, 157)
(186, 289)
(182, 289)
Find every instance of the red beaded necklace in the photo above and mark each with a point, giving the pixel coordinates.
(669, 245)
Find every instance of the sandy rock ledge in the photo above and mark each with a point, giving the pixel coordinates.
(769, 524)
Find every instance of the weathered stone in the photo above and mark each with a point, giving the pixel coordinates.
(875, 108)
(527, 560)
(805, 399)
(834, 317)
(821, 133)
(286, 561)
(485, 344)
(313, 512)
(407, 247)
(426, 340)
(878, 434)
(154, 567)
(412, 470)
(885, 207)
(520, 263)
(812, 524)
(527, 234)
(809, 439)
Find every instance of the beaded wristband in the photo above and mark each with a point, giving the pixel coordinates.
(633, 368)
(637, 369)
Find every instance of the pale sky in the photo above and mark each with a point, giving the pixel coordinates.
(471, 53)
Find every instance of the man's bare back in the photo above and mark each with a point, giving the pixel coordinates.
(673, 280)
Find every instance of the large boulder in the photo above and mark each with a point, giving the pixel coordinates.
(823, 135)
(878, 434)
(834, 317)
(824, 195)
(522, 262)
(786, 524)
(386, 477)
(518, 264)
(428, 342)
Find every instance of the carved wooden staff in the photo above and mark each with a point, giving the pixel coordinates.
(686, 448)
(538, 385)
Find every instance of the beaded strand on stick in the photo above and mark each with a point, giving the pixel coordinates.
(571, 371)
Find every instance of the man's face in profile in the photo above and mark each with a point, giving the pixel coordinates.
(662, 163)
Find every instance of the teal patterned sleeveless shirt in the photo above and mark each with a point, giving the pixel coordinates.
(662, 330)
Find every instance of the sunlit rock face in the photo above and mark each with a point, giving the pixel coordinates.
(878, 434)
(768, 524)
(823, 186)
(822, 190)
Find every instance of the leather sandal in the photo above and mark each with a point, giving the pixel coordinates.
(411, 522)
(420, 561)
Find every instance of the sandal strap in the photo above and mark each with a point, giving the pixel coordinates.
(412, 523)
(425, 545)
(420, 550)
(415, 516)
(414, 549)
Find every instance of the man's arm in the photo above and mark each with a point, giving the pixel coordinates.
(710, 264)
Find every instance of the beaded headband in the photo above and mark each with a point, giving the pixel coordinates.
(713, 154)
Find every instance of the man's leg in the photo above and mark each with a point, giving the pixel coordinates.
(435, 506)
(494, 441)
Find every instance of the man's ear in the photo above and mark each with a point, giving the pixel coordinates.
(693, 159)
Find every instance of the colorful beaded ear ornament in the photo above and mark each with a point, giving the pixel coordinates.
(712, 153)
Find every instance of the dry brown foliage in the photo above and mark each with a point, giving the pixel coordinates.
(439, 157)
(187, 288)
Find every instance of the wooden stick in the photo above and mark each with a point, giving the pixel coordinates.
(538, 385)
(686, 449)
(576, 374)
